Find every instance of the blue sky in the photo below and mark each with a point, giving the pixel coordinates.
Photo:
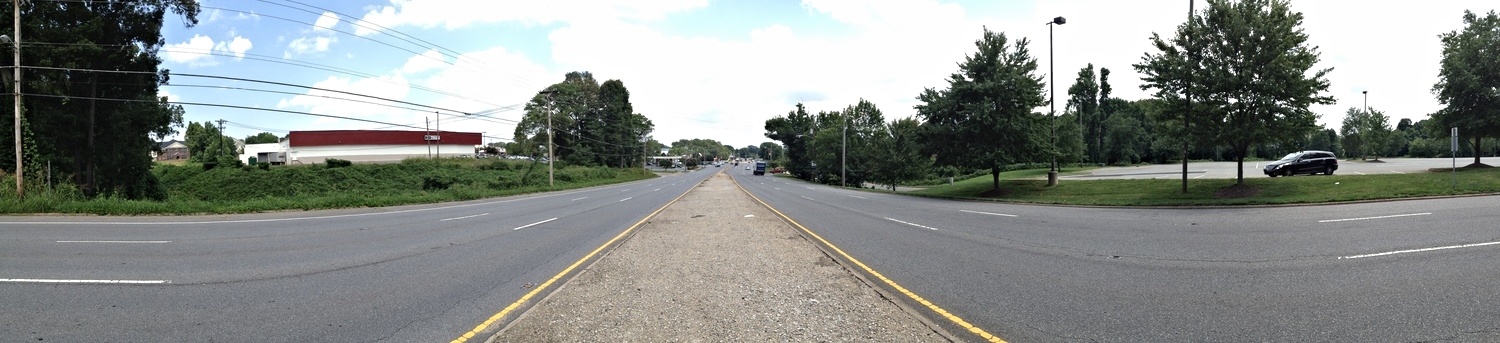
(713, 69)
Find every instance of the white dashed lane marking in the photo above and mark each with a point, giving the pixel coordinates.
(1375, 217)
(912, 224)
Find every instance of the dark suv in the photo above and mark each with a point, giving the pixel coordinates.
(1304, 162)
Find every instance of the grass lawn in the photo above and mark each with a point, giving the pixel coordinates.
(1202, 192)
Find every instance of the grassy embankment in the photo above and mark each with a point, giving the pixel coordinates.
(192, 190)
(1206, 192)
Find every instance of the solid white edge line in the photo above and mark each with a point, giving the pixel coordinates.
(1375, 217)
(577, 199)
(465, 217)
(1420, 250)
(993, 214)
(533, 224)
(87, 281)
(856, 196)
(912, 224)
(123, 242)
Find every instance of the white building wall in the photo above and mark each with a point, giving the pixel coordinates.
(252, 149)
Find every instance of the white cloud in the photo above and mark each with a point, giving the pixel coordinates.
(194, 52)
(326, 22)
(726, 89)
(429, 60)
(237, 47)
(433, 13)
(305, 45)
(328, 102)
(200, 50)
(163, 93)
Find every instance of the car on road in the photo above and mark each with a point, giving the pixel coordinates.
(1303, 162)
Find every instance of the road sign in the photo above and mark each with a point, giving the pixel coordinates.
(1453, 139)
(430, 137)
(1453, 153)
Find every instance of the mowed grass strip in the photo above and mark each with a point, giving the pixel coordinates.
(192, 190)
(1204, 192)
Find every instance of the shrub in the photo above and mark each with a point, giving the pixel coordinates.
(437, 182)
(337, 163)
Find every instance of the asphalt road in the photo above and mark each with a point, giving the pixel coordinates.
(1254, 169)
(1416, 270)
(425, 273)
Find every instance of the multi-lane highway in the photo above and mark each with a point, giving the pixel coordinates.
(425, 273)
(1416, 270)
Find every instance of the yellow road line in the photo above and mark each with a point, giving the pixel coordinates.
(513, 306)
(934, 307)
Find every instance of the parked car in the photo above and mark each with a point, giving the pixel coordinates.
(1303, 162)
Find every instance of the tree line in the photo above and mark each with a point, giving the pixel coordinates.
(1235, 81)
(593, 124)
(71, 120)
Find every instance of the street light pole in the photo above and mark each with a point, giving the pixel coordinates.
(1187, 93)
(1052, 82)
(1367, 101)
(844, 158)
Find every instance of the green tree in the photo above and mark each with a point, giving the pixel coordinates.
(1083, 101)
(795, 131)
(1253, 69)
(1368, 133)
(206, 144)
(896, 153)
(1124, 140)
(984, 118)
(262, 138)
(1323, 140)
(1468, 78)
(81, 55)
(770, 151)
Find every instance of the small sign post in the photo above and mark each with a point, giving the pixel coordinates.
(1453, 153)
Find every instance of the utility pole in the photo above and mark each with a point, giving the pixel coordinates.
(427, 127)
(439, 119)
(844, 159)
(550, 157)
(221, 137)
(20, 185)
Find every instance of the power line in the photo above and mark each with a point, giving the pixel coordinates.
(388, 32)
(218, 105)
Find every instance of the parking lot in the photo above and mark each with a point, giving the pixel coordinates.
(1226, 170)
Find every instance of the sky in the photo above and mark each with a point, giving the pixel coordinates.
(712, 69)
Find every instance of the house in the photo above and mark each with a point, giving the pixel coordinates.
(170, 150)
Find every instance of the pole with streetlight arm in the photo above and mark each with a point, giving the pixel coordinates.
(1187, 93)
(1052, 82)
